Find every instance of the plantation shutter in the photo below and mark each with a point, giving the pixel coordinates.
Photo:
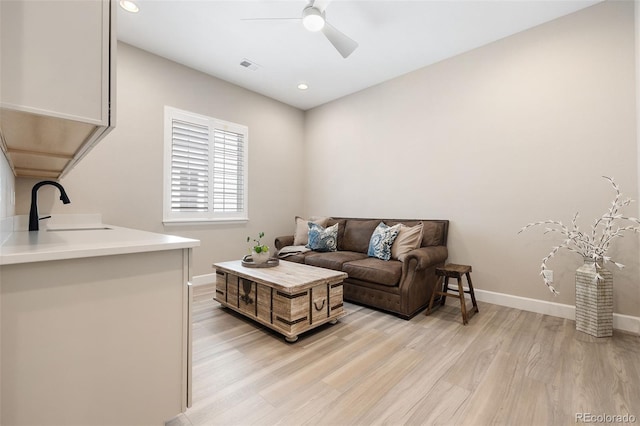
(228, 171)
(205, 177)
(189, 167)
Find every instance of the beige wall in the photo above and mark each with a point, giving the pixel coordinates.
(517, 131)
(122, 177)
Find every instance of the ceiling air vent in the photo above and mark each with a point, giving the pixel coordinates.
(249, 64)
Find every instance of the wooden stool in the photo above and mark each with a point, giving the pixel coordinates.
(453, 271)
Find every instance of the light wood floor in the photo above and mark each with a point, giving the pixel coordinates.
(506, 367)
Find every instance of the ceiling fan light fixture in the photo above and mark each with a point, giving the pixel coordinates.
(312, 19)
(129, 6)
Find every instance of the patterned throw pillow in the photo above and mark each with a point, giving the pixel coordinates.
(301, 234)
(321, 239)
(381, 241)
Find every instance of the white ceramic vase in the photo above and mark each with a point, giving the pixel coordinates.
(260, 258)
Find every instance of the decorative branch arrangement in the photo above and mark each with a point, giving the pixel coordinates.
(594, 244)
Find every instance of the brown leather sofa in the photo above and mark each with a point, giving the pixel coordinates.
(401, 287)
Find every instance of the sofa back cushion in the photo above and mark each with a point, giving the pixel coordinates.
(434, 233)
(341, 223)
(357, 234)
(354, 234)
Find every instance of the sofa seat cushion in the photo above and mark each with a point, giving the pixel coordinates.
(300, 257)
(384, 272)
(332, 260)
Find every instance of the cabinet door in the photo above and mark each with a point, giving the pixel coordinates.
(55, 58)
(106, 334)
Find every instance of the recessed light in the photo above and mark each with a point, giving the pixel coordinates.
(129, 6)
(303, 86)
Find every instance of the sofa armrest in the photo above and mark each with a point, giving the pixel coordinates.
(427, 256)
(284, 241)
(419, 277)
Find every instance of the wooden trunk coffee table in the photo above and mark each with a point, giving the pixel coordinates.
(289, 298)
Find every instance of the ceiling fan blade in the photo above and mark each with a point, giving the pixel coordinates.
(270, 19)
(340, 41)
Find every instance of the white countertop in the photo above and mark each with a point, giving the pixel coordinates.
(70, 241)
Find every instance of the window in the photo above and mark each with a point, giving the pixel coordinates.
(205, 168)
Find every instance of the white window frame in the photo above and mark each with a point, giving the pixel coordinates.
(181, 217)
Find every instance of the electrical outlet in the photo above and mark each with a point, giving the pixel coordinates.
(548, 274)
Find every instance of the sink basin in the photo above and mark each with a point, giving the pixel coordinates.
(94, 228)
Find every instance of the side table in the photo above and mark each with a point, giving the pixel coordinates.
(454, 271)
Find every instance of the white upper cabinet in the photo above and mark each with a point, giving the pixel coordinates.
(57, 81)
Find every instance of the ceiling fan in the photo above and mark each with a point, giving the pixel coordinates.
(313, 19)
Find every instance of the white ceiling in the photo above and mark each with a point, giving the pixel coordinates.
(395, 37)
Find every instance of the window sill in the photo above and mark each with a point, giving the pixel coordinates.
(180, 222)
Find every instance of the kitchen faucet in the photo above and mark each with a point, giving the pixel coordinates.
(33, 213)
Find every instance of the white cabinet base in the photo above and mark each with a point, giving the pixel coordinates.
(95, 341)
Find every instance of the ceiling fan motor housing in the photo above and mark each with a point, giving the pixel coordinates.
(312, 18)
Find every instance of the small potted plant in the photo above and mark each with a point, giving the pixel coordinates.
(259, 251)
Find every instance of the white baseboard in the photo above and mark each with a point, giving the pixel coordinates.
(203, 279)
(620, 322)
